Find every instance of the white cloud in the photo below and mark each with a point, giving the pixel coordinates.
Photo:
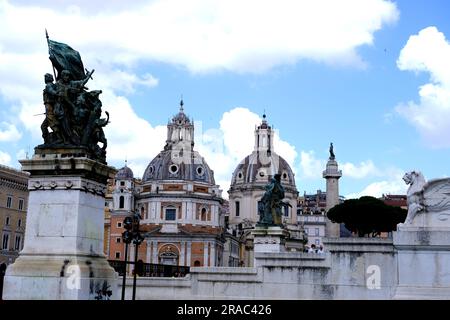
(5, 158)
(377, 189)
(129, 136)
(203, 35)
(363, 170)
(123, 81)
(429, 51)
(310, 166)
(9, 132)
(390, 182)
(21, 154)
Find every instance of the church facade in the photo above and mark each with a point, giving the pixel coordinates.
(179, 203)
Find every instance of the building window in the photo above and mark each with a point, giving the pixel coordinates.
(118, 240)
(317, 242)
(121, 202)
(171, 214)
(196, 263)
(286, 211)
(119, 224)
(203, 214)
(306, 231)
(19, 223)
(7, 221)
(122, 183)
(317, 231)
(237, 208)
(173, 168)
(117, 255)
(17, 243)
(5, 242)
(200, 170)
(9, 202)
(20, 204)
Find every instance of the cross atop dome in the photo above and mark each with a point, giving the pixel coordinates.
(181, 105)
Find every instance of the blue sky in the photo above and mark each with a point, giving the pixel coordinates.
(371, 76)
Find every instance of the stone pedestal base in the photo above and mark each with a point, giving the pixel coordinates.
(60, 277)
(63, 254)
(423, 262)
(271, 239)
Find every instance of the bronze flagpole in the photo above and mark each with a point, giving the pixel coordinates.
(48, 44)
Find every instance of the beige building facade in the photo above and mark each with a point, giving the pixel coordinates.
(13, 210)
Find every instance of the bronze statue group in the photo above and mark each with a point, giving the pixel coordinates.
(72, 113)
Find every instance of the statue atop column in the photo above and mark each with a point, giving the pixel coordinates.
(270, 207)
(332, 156)
(72, 113)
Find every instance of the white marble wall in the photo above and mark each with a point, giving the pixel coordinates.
(352, 268)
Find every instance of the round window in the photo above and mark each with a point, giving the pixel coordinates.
(173, 168)
(240, 175)
(151, 169)
(261, 174)
(285, 175)
(200, 170)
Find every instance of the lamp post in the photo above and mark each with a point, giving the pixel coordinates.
(127, 237)
(131, 234)
(137, 240)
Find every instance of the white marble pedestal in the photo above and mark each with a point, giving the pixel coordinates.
(423, 250)
(63, 254)
(270, 239)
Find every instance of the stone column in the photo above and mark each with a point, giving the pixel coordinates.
(212, 257)
(332, 175)
(188, 257)
(182, 253)
(63, 254)
(205, 254)
(148, 255)
(155, 252)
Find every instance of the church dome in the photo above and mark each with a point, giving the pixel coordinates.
(124, 173)
(263, 163)
(178, 160)
(165, 167)
(258, 168)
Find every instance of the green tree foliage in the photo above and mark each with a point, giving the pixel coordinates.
(367, 216)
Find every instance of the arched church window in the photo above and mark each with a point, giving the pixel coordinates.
(196, 263)
(203, 215)
(286, 211)
(121, 202)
